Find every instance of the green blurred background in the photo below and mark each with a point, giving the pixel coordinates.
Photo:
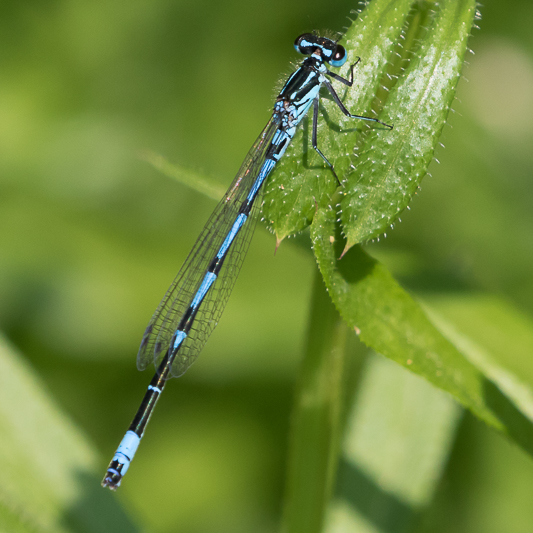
(91, 236)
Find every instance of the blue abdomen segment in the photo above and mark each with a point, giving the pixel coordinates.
(204, 287)
(125, 452)
(267, 167)
(237, 225)
(179, 338)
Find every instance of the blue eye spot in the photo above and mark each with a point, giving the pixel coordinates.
(339, 57)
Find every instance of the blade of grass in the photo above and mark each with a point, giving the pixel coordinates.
(194, 180)
(399, 435)
(49, 481)
(317, 419)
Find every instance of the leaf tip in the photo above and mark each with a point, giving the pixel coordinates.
(278, 242)
(349, 244)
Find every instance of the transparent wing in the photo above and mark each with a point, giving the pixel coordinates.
(163, 325)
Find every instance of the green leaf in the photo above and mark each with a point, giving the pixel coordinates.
(392, 164)
(49, 480)
(380, 169)
(388, 320)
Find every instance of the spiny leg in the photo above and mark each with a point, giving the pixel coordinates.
(314, 138)
(338, 101)
(340, 78)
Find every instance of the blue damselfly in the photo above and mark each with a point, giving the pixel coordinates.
(194, 302)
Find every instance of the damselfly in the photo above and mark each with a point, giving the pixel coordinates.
(194, 302)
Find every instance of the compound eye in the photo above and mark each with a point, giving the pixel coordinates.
(339, 57)
(305, 44)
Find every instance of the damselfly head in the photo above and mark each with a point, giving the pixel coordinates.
(331, 52)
